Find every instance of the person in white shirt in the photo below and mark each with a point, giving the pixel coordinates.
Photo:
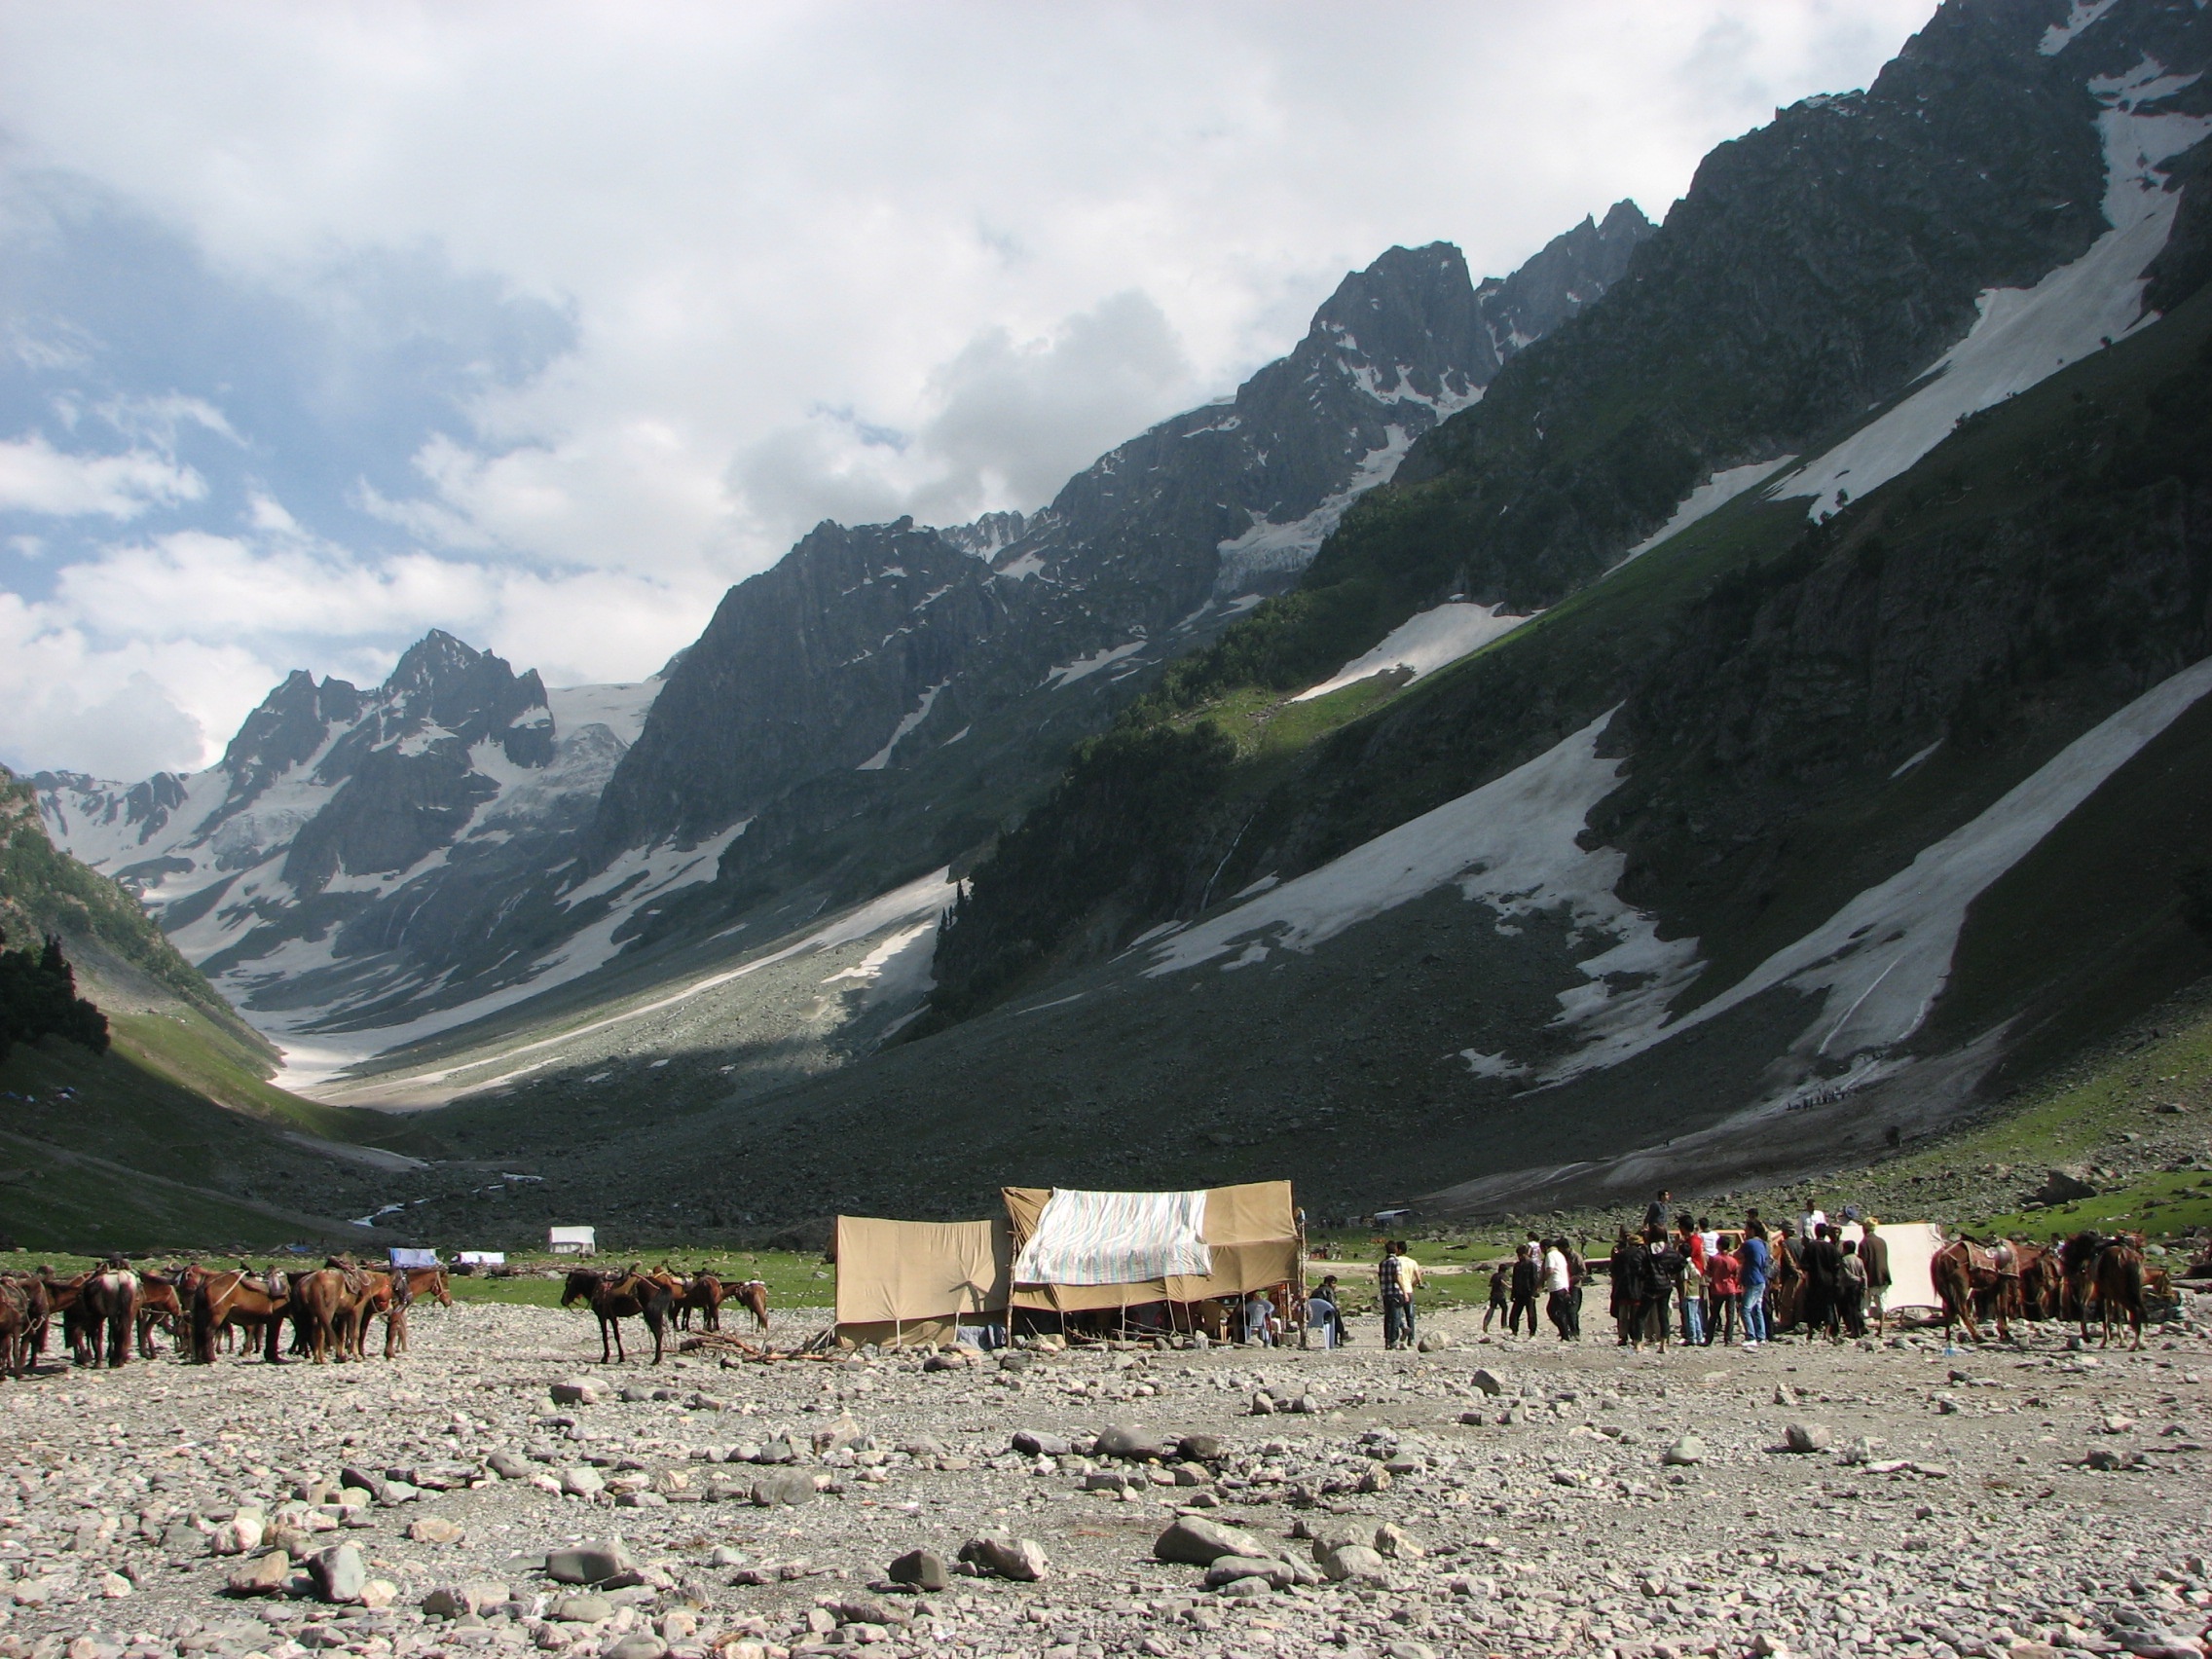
(1259, 1319)
(1559, 1282)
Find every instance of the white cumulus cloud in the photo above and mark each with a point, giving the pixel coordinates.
(35, 477)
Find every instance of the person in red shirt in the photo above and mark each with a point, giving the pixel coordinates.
(1724, 1275)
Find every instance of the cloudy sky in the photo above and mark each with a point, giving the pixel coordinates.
(324, 325)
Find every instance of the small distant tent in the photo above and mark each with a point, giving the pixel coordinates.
(405, 1257)
(483, 1258)
(902, 1282)
(573, 1240)
(1077, 1250)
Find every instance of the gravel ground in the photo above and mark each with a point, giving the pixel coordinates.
(1952, 1505)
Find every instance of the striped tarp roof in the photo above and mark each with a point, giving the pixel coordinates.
(1084, 1238)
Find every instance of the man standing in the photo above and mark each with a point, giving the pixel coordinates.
(1823, 1283)
(1387, 1280)
(1655, 1216)
(1410, 1279)
(1874, 1254)
(1528, 1273)
(1559, 1282)
(1756, 1264)
(1691, 1245)
(1578, 1276)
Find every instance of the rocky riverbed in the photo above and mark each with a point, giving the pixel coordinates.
(492, 1492)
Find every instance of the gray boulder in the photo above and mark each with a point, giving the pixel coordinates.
(1032, 1443)
(1000, 1555)
(791, 1486)
(1198, 1542)
(924, 1569)
(1805, 1437)
(339, 1574)
(1227, 1569)
(1117, 1440)
(2064, 1186)
(1345, 1563)
(589, 1562)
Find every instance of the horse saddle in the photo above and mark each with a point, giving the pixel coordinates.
(1999, 1262)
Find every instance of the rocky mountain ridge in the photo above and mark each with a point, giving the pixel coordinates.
(346, 836)
(368, 868)
(864, 641)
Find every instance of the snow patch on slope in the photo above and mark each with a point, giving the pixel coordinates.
(1511, 845)
(642, 872)
(1083, 668)
(2025, 335)
(882, 756)
(1881, 961)
(1268, 546)
(1706, 500)
(928, 897)
(2082, 13)
(1425, 642)
(621, 709)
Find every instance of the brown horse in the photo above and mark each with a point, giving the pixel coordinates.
(615, 1298)
(322, 1308)
(32, 1293)
(1968, 1273)
(2110, 1273)
(2043, 1283)
(107, 1315)
(702, 1292)
(15, 1326)
(241, 1300)
(405, 1290)
(158, 1304)
(752, 1297)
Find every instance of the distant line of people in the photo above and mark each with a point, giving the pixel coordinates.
(1698, 1284)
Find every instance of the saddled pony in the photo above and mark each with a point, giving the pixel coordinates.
(1964, 1274)
(702, 1292)
(14, 1323)
(2110, 1273)
(240, 1299)
(615, 1298)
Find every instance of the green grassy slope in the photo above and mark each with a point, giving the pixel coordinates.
(177, 1137)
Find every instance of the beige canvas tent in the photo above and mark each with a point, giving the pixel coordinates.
(1912, 1258)
(1250, 1234)
(913, 1281)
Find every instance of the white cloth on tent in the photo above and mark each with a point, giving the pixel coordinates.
(401, 1257)
(1116, 1239)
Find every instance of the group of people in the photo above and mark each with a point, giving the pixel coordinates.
(1397, 1276)
(1715, 1284)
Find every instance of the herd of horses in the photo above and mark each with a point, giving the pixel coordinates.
(2003, 1281)
(115, 1310)
(660, 1298)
